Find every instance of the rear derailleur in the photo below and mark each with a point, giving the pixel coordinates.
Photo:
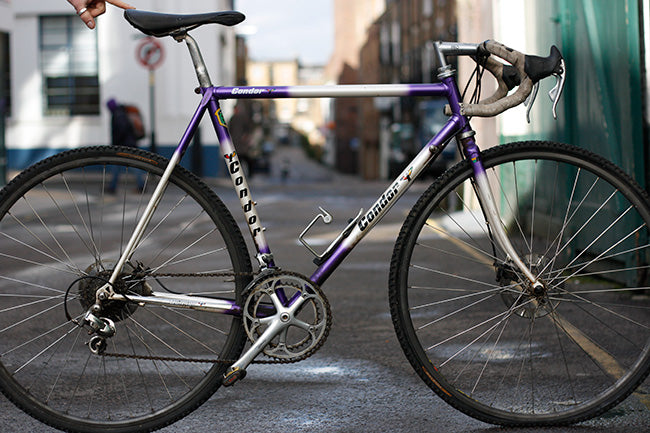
(103, 328)
(101, 314)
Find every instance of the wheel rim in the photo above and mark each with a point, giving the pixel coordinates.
(508, 355)
(64, 230)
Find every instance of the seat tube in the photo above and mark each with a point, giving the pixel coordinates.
(242, 190)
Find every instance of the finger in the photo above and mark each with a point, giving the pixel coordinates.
(97, 9)
(78, 4)
(120, 4)
(86, 17)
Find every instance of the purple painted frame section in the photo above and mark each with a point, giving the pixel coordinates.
(456, 124)
(334, 91)
(453, 126)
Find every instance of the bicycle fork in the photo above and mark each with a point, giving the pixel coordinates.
(491, 212)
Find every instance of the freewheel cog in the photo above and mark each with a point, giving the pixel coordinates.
(267, 299)
(97, 275)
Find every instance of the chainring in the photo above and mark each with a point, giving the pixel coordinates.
(308, 328)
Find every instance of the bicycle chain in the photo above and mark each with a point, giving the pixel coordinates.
(207, 360)
(203, 360)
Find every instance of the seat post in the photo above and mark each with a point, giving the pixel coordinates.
(197, 59)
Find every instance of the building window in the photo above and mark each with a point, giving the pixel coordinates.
(396, 40)
(384, 41)
(69, 65)
(427, 8)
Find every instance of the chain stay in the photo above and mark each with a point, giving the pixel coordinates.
(204, 360)
(203, 274)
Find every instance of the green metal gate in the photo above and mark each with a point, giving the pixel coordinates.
(602, 107)
(603, 101)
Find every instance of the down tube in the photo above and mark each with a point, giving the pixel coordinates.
(239, 181)
(396, 189)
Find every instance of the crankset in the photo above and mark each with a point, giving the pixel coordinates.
(306, 329)
(286, 317)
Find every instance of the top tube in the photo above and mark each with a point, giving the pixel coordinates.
(332, 91)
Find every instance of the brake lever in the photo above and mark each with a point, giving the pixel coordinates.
(556, 91)
(530, 100)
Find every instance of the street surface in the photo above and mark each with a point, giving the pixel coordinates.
(360, 380)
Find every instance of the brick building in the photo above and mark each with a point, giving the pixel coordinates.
(399, 49)
(351, 21)
(373, 137)
(370, 71)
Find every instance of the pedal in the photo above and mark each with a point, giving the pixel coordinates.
(232, 376)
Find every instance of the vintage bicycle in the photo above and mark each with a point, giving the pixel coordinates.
(124, 311)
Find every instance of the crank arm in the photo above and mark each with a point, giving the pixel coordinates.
(276, 324)
(237, 371)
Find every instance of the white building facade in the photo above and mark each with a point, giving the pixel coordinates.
(62, 74)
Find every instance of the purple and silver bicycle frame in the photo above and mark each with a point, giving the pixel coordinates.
(354, 233)
(365, 222)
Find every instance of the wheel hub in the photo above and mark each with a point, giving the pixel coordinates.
(520, 295)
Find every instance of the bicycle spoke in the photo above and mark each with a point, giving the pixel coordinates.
(36, 338)
(511, 209)
(64, 229)
(73, 226)
(162, 221)
(491, 292)
(29, 361)
(58, 377)
(183, 332)
(73, 200)
(486, 340)
(436, 271)
(51, 255)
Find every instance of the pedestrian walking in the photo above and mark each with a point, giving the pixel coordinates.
(122, 134)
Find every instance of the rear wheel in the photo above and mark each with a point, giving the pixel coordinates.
(472, 326)
(63, 225)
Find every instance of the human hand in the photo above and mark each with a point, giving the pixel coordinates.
(88, 10)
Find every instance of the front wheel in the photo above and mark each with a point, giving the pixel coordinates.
(63, 225)
(472, 326)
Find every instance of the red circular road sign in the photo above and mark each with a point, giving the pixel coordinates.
(150, 53)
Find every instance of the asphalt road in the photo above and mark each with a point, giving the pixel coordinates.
(360, 380)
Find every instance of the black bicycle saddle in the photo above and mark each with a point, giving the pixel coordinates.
(158, 24)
